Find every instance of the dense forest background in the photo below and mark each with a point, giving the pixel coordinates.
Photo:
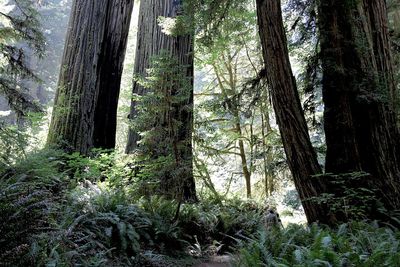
(169, 133)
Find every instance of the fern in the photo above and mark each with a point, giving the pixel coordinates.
(353, 244)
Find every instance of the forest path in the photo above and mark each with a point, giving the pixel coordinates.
(217, 261)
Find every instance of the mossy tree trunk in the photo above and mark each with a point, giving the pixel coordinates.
(301, 157)
(359, 95)
(90, 75)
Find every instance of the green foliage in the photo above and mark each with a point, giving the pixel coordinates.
(177, 26)
(98, 226)
(353, 244)
(105, 227)
(95, 167)
(29, 194)
(292, 199)
(351, 196)
(49, 217)
(19, 31)
(55, 211)
(13, 144)
(210, 18)
(300, 18)
(232, 119)
(15, 141)
(164, 124)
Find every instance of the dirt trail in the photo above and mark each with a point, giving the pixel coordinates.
(217, 261)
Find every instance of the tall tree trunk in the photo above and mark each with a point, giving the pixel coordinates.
(151, 42)
(109, 77)
(359, 95)
(243, 158)
(228, 89)
(301, 157)
(266, 129)
(87, 49)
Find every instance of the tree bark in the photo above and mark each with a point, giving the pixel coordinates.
(228, 89)
(266, 130)
(301, 157)
(109, 76)
(90, 74)
(151, 41)
(359, 95)
(243, 158)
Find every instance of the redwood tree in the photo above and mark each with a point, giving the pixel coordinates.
(301, 157)
(109, 77)
(152, 41)
(90, 75)
(359, 95)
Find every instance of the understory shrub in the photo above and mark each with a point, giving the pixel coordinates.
(30, 196)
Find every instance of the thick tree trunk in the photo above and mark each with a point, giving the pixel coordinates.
(301, 157)
(87, 49)
(359, 95)
(109, 78)
(151, 42)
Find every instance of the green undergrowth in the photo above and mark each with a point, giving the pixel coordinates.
(354, 244)
(61, 210)
(66, 210)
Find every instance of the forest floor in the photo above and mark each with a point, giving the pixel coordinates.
(217, 261)
(58, 210)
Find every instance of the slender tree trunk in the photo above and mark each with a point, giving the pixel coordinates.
(301, 157)
(267, 154)
(243, 158)
(151, 42)
(359, 95)
(264, 151)
(201, 167)
(228, 89)
(89, 46)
